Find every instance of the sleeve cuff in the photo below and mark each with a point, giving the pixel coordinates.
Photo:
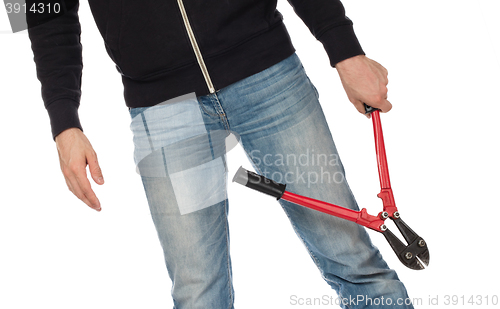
(341, 43)
(63, 114)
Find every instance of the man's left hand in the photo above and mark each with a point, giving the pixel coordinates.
(364, 81)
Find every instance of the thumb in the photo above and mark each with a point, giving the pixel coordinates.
(95, 169)
(359, 106)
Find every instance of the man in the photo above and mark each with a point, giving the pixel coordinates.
(190, 70)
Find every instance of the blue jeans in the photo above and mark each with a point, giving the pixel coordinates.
(282, 128)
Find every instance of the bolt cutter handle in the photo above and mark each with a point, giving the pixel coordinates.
(413, 254)
(383, 170)
(270, 187)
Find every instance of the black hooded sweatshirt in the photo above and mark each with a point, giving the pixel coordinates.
(164, 49)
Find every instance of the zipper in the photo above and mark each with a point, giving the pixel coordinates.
(196, 49)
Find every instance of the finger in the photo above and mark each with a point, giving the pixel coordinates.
(76, 190)
(83, 186)
(379, 101)
(385, 106)
(383, 72)
(359, 106)
(386, 79)
(381, 68)
(95, 169)
(70, 187)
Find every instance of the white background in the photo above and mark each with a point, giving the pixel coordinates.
(441, 137)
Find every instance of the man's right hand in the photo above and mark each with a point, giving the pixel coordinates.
(75, 152)
(365, 81)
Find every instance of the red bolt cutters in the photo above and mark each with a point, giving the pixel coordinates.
(412, 255)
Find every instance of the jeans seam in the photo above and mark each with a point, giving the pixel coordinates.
(222, 115)
(229, 281)
(145, 123)
(231, 296)
(226, 228)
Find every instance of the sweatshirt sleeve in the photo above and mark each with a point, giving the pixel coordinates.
(327, 22)
(55, 41)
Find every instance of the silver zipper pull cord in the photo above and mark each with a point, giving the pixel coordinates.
(196, 49)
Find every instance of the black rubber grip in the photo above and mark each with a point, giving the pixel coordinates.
(369, 109)
(259, 183)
